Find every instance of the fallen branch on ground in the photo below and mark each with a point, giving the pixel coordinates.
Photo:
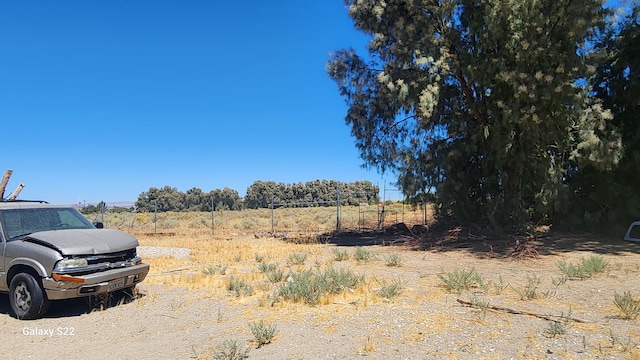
(169, 271)
(554, 318)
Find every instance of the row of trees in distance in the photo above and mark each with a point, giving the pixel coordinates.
(261, 194)
(321, 192)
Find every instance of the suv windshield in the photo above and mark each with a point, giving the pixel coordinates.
(19, 222)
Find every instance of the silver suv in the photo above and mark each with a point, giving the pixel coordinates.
(50, 252)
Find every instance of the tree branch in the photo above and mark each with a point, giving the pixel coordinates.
(518, 312)
(397, 123)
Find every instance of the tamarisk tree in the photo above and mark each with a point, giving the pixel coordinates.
(484, 102)
(611, 199)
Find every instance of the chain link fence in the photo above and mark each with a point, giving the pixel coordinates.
(286, 218)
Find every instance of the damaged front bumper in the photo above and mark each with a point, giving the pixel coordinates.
(95, 283)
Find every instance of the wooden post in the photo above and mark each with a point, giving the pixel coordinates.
(5, 181)
(15, 192)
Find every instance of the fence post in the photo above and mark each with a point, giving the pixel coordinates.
(273, 199)
(337, 210)
(424, 209)
(155, 216)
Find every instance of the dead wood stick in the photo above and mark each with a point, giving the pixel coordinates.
(5, 180)
(169, 271)
(16, 192)
(553, 318)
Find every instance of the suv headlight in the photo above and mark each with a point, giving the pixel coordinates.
(66, 264)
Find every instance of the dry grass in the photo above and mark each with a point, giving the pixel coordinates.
(296, 221)
(241, 241)
(245, 257)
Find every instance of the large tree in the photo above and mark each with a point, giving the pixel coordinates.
(612, 199)
(485, 101)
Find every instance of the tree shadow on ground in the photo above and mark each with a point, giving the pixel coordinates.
(486, 244)
(79, 306)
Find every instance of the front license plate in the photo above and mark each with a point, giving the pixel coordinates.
(116, 284)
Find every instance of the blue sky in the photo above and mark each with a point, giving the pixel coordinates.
(101, 100)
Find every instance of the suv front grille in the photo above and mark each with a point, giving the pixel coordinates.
(102, 262)
(112, 257)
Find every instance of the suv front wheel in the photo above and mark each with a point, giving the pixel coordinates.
(27, 299)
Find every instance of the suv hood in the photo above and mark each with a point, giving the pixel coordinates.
(85, 241)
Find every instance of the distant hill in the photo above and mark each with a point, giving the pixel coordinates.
(122, 204)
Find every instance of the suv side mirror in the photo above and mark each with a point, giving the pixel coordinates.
(98, 225)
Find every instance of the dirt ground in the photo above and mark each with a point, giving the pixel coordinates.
(572, 319)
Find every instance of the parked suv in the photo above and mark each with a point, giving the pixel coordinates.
(50, 252)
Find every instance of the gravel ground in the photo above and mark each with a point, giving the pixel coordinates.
(158, 251)
(570, 320)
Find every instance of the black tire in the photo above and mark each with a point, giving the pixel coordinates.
(26, 297)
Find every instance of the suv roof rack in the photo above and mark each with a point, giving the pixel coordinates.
(34, 201)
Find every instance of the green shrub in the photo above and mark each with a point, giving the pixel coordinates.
(572, 271)
(628, 306)
(275, 275)
(263, 333)
(297, 258)
(363, 255)
(212, 270)
(200, 222)
(392, 290)
(249, 224)
(480, 304)
(265, 267)
(529, 291)
(586, 268)
(305, 286)
(168, 223)
(342, 279)
(308, 286)
(594, 264)
(340, 255)
(393, 260)
(459, 280)
(558, 327)
(230, 350)
(240, 287)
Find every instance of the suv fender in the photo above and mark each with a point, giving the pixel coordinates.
(18, 264)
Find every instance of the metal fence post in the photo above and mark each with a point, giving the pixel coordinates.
(155, 217)
(273, 199)
(337, 210)
(213, 209)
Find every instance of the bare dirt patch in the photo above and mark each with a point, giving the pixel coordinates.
(176, 319)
